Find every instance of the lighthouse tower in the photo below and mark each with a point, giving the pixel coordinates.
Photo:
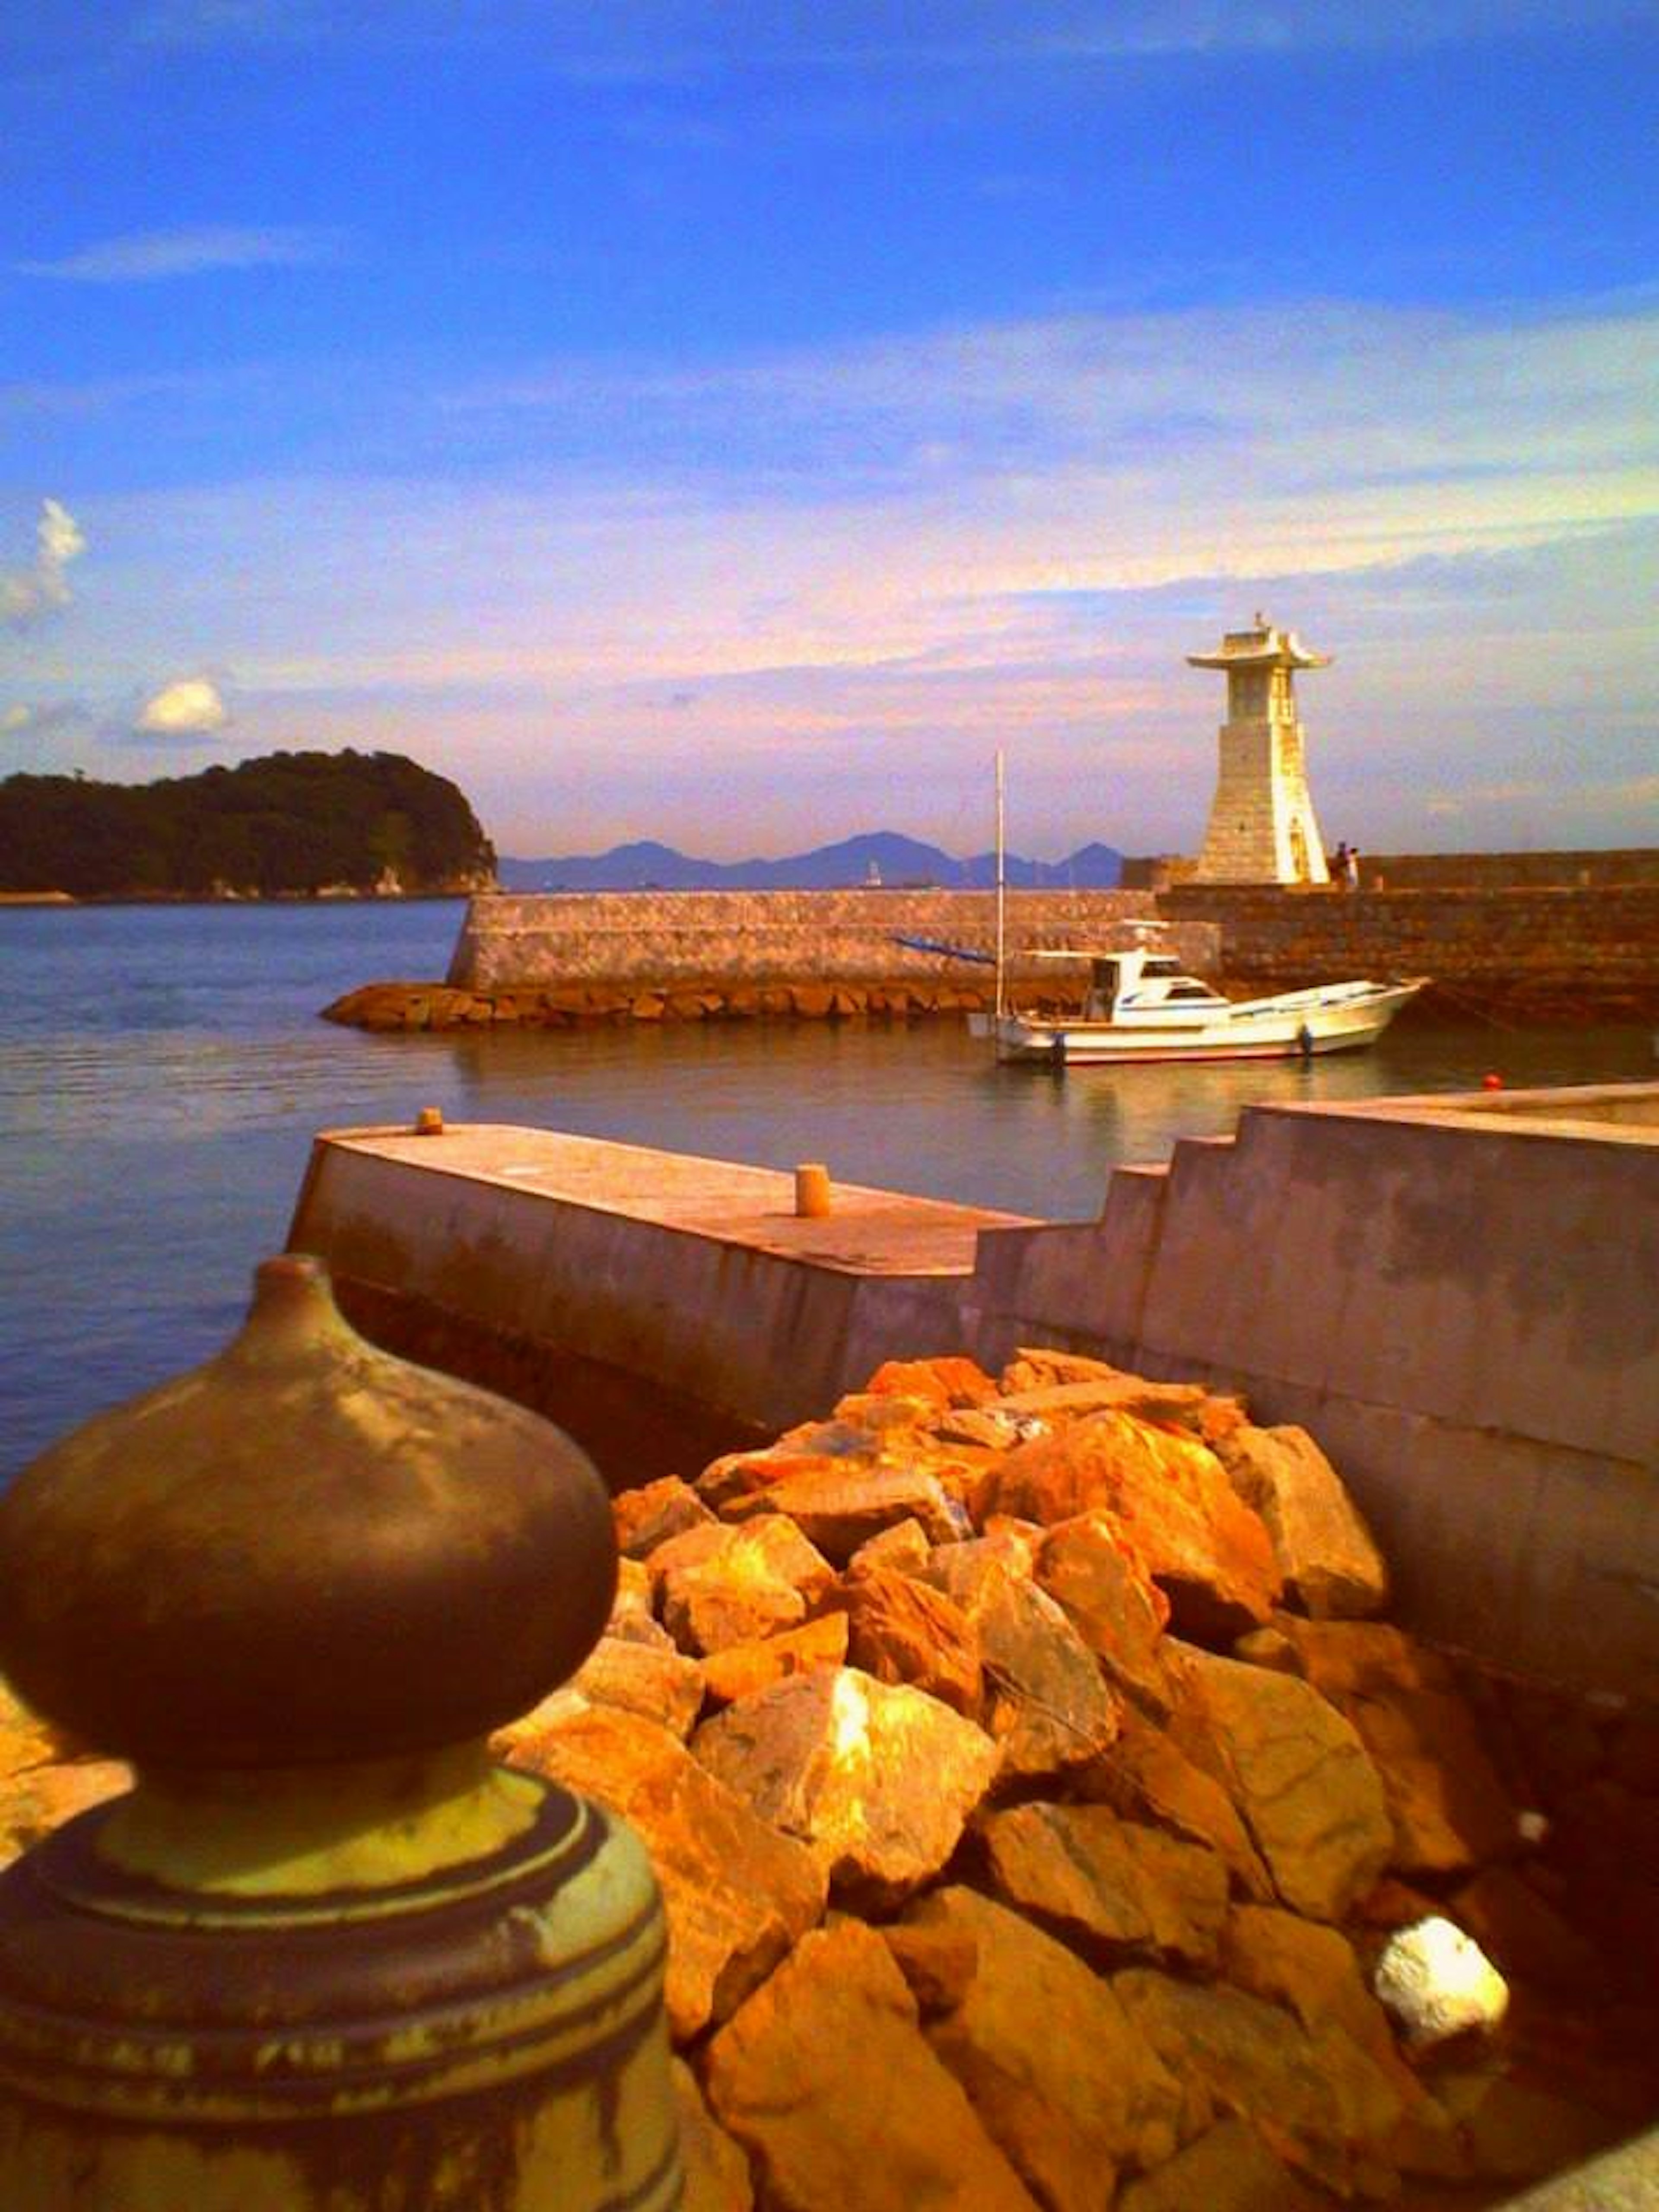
(1262, 823)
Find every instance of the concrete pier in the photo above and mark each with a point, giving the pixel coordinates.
(1456, 1295)
(696, 1277)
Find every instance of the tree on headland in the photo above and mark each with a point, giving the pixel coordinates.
(287, 825)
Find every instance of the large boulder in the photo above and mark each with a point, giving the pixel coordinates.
(1229, 2168)
(1147, 1778)
(826, 2079)
(1297, 1772)
(717, 1585)
(653, 1512)
(716, 2168)
(1071, 2102)
(653, 1679)
(1450, 1808)
(903, 1629)
(1171, 1497)
(839, 1509)
(1326, 1553)
(741, 1668)
(1047, 1702)
(736, 1894)
(1312, 1970)
(1108, 1887)
(1316, 2096)
(1100, 1581)
(877, 1779)
(946, 1381)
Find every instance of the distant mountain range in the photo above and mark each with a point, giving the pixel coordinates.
(879, 856)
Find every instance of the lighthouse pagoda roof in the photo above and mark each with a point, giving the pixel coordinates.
(1263, 646)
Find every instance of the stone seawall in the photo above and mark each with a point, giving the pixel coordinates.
(1630, 864)
(668, 939)
(1555, 953)
(549, 960)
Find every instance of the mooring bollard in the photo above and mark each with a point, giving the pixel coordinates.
(812, 1191)
(326, 1956)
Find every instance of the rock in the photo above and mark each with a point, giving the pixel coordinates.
(1107, 1885)
(1437, 1983)
(837, 1509)
(1297, 1773)
(716, 2171)
(1170, 1498)
(1312, 1970)
(904, 1548)
(984, 1428)
(631, 1609)
(1046, 1702)
(1069, 2106)
(648, 1516)
(663, 1685)
(901, 1630)
(1314, 2097)
(741, 1475)
(1058, 1404)
(41, 1798)
(718, 1585)
(741, 1668)
(26, 1739)
(1145, 1777)
(877, 1779)
(736, 1892)
(1101, 1583)
(944, 1381)
(1228, 2169)
(1449, 1808)
(939, 1961)
(1326, 1555)
(826, 2079)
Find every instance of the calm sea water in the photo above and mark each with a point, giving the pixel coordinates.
(162, 1071)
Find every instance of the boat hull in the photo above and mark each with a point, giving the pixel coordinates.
(1296, 1025)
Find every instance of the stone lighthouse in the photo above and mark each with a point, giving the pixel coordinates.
(1262, 823)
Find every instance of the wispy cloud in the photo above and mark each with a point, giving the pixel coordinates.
(625, 41)
(148, 256)
(36, 719)
(27, 593)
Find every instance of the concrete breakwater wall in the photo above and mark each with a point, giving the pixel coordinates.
(663, 939)
(1455, 1296)
(1548, 953)
(1495, 872)
(550, 960)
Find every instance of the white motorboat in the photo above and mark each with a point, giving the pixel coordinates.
(1139, 1006)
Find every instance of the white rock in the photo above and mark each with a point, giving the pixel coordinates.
(1437, 1983)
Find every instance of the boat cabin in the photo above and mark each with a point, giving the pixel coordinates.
(1136, 982)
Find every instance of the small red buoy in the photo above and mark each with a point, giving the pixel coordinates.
(1491, 1083)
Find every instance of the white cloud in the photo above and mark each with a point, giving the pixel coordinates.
(27, 593)
(143, 257)
(190, 706)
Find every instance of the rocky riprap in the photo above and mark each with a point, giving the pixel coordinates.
(390, 1006)
(1033, 1790)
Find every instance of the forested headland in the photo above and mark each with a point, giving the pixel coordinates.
(290, 825)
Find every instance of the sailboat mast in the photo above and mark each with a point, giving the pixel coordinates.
(1002, 888)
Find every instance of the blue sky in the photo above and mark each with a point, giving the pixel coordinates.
(732, 423)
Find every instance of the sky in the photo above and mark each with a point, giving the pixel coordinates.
(733, 422)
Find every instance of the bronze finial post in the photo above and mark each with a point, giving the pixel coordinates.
(326, 1956)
